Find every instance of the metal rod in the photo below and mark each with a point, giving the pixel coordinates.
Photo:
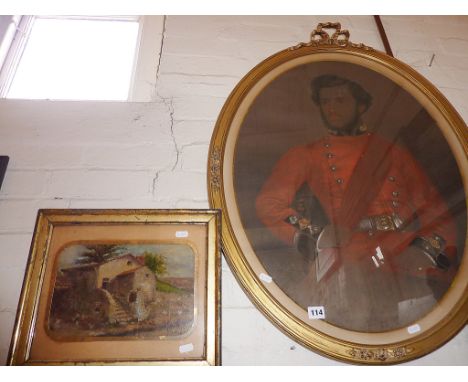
(383, 36)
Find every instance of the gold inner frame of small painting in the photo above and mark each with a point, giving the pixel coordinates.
(378, 347)
(111, 287)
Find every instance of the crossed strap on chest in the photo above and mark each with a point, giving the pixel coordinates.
(364, 186)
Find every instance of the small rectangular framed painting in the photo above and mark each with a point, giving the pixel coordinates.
(121, 287)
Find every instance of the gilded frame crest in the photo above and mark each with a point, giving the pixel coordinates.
(245, 134)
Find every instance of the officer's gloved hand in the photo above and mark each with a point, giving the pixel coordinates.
(423, 269)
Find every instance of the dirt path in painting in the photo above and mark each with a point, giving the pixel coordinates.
(171, 315)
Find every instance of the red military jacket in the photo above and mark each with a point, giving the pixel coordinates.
(327, 166)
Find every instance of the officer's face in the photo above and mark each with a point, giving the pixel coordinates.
(339, 108)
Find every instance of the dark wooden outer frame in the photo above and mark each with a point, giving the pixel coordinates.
(48, 219)
(381, 348)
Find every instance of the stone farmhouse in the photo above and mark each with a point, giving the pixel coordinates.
(121, 288)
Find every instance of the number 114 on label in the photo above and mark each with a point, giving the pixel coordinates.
(316, 312)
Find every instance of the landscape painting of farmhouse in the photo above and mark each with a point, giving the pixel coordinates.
(122, 290)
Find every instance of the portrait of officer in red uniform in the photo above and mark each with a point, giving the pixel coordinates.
(387, 251)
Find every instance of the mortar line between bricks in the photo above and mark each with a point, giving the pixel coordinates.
(7, 233)
(87, 169)
(194, 75)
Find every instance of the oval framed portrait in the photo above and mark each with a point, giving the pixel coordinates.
(341, 174)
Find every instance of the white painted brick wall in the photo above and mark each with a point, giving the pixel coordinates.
(153, 155)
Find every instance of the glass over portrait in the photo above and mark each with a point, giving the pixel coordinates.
(354, 206)
(339, 171)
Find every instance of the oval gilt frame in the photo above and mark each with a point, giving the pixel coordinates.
(397, 344)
